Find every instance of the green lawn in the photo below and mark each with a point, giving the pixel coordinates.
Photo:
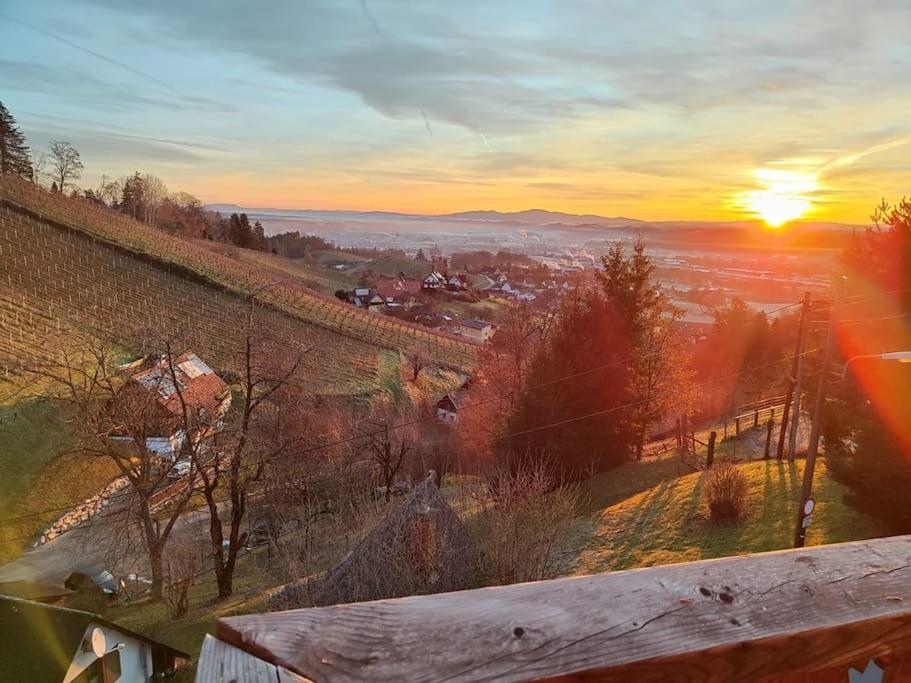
(38, 472)
(668, 522)
(31, 434)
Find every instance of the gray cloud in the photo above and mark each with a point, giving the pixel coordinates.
(401, 58)
(79, 85)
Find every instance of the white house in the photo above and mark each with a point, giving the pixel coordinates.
(152, 392)
(434, 280)
(476, 330)
(41, 642)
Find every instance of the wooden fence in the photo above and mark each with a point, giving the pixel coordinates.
(794, 615)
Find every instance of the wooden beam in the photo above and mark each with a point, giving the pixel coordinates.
(739, 618)
(220, 662)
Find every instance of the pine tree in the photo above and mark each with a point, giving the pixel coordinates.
(14, 153)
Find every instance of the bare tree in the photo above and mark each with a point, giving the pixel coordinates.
(116, 418)
(242, 453)
(416, 360)
(182, 572)
(388, 439)
(154, 192)
(663, 384)
(66, 165)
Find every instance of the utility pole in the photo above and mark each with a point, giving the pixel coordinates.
(782, 433)
(805, 509)
(798, 377)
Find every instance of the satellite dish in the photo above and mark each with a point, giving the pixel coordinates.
(99, 646)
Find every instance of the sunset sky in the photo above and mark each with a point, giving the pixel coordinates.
(657, 110)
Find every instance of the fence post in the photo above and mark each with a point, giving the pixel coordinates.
(679, 434)
(768, 438)
(736, 426)
(710, 455)
(756, 418)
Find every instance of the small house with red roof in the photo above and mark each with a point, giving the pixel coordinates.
(172, 398)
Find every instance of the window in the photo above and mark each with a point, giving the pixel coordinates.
(111, 666)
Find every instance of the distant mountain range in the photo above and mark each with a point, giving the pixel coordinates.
(539, 218)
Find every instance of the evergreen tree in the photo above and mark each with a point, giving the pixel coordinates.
(132, 197)
(14, 153)
(865, 422)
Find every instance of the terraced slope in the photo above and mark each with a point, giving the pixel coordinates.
(56, 281)
(65, 263)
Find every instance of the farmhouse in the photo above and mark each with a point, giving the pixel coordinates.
(457, 282)
(476, 330)
(399, 289)
(152, 393)
(433, 281)
(448, 407)
(40, 642)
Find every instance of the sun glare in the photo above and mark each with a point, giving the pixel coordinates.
(783, 195)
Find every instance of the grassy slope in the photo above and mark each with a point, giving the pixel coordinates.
(31, 435)
(37, 473)
(646, 513)
(391, 266)
(329, 257)
(666, 520)
(311, 272)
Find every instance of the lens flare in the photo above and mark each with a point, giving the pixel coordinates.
(782, 196)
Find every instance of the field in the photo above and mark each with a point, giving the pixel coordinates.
(666, 520)
(391, 266)
(310, 271)
(70, 262)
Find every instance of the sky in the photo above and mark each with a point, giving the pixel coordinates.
(660, 110)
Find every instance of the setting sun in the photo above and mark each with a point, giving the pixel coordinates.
(783, 195)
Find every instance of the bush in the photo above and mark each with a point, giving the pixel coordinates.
(725, 491)
(522, 519)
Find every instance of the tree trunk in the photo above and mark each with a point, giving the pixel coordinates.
(157, 590)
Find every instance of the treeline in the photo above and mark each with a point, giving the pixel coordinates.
(141, 196)
(475, 261)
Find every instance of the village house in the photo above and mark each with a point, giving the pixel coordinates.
(433, 281)
(153, 392)
(476, 330)
(398, 290)
(448, 407)
(41, 642)
(457, 282)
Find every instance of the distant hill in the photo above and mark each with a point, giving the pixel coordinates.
(539, 219)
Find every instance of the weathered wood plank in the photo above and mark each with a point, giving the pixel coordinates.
(220, 662)
(740, 618)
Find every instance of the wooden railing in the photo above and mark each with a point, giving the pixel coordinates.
(794, 615)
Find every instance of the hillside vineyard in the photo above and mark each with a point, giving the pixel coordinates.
(66, 265)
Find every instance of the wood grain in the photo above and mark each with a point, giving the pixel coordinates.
(744, 618)
(220, 662)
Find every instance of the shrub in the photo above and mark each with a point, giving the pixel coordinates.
(521, 522)
(725, 491)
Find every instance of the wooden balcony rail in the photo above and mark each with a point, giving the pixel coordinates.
(794, 615)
